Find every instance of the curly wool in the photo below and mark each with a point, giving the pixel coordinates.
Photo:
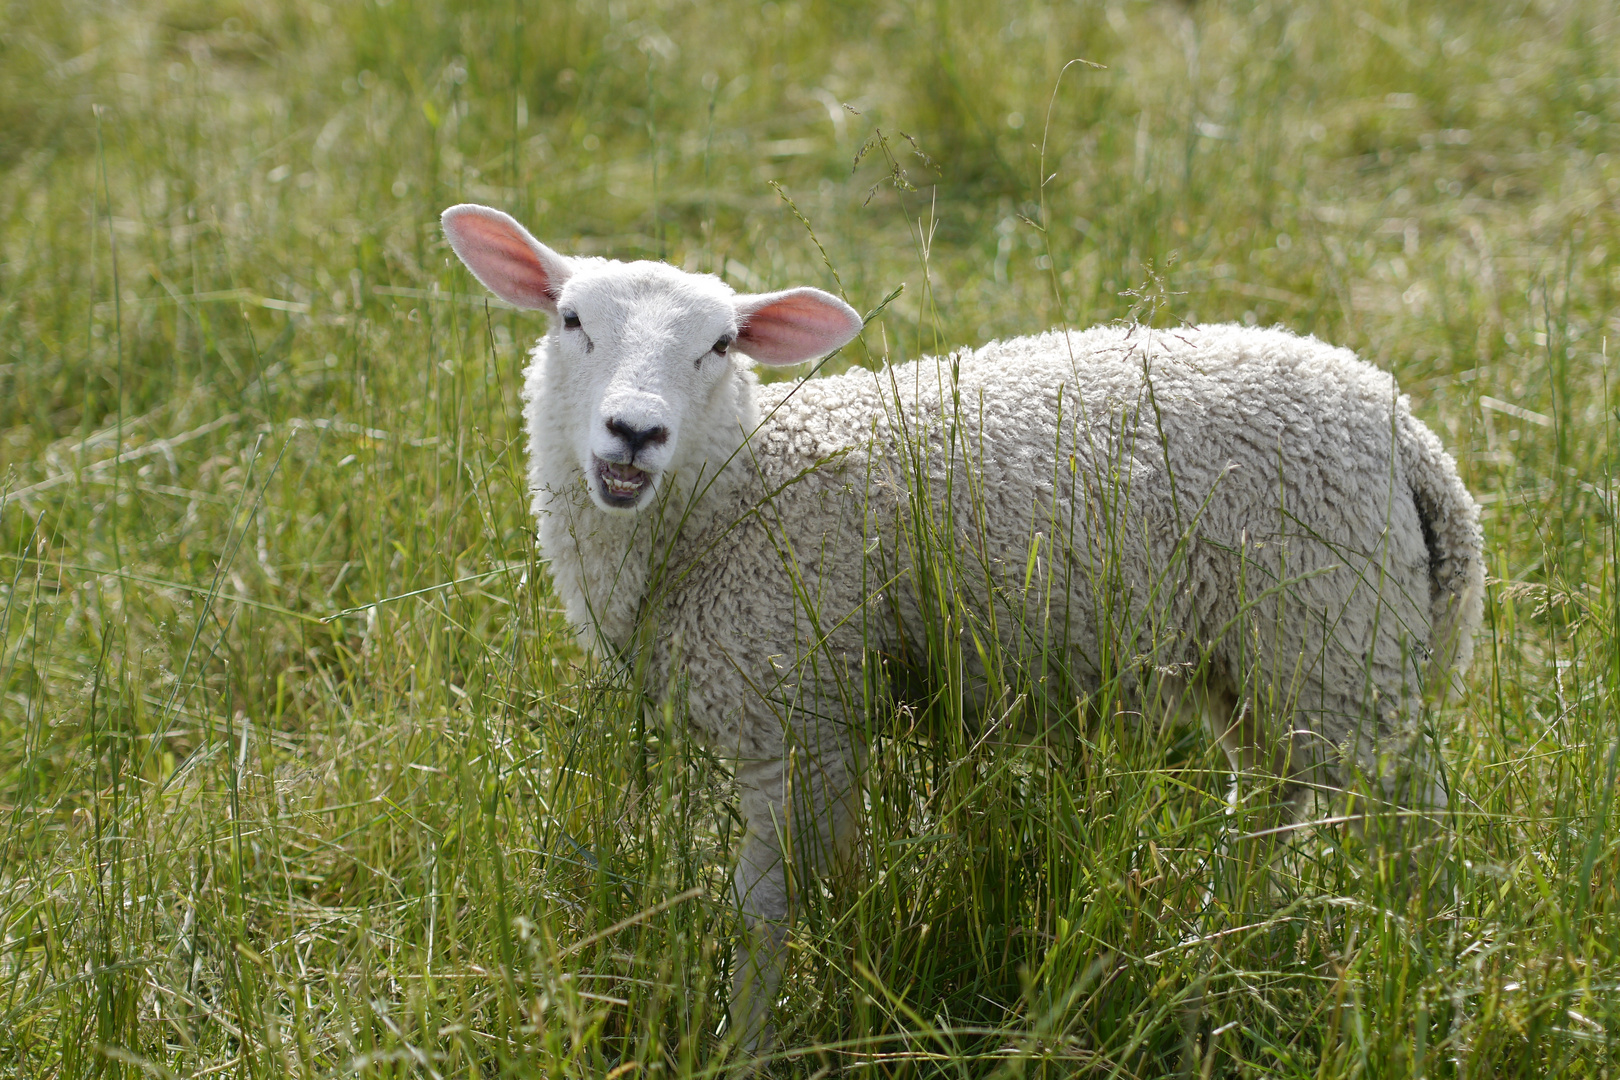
(1242, 519)
(1209, 479)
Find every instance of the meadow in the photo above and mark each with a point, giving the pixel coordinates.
(301, 772)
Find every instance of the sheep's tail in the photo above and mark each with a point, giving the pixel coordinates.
(1450, 520)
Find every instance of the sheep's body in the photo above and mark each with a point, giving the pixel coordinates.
(1268, 480)
(1269, 524)
(1242, 521)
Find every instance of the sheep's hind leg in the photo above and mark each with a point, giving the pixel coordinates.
(1367, 767)
(1386, 782)
(1270, 766)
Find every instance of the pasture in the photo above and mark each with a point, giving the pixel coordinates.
(301, 772)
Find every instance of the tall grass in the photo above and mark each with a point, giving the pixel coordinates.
(300, 771)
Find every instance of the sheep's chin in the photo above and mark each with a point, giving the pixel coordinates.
(618, 487)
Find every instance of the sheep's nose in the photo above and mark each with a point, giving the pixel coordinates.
(638, 437)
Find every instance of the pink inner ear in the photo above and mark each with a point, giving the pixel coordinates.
(503, 256)
(793, 326)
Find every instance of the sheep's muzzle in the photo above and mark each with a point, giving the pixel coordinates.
(621, 485)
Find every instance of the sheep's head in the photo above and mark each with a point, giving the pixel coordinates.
(644, 346)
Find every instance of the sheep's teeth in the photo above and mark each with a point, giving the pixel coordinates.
(621, 481)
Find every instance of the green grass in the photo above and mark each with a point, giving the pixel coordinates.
(300, 772)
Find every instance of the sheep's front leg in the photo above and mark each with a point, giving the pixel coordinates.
(801, 822)
(761, 889)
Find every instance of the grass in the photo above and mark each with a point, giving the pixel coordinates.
(300, 772)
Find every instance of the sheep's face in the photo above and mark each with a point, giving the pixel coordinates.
(643, 349)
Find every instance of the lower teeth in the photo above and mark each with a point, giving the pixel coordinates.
(618, 485)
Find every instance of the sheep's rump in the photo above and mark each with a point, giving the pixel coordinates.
(1240, 506)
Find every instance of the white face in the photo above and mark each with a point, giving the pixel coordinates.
(643, 347)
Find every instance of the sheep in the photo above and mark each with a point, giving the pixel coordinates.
(1240, 522)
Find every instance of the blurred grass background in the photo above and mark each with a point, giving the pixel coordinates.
(254, 823)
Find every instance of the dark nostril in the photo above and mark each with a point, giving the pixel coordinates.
(638, 437)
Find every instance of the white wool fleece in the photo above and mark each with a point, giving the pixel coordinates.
(1244, 522)
(1209, 480)
(1268, 524)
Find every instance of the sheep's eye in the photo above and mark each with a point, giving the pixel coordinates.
(570, 320)
(722, 345)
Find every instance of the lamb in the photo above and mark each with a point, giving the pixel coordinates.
(1239, 522)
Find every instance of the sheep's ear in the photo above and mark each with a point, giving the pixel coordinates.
(793, 326)
(512, 264)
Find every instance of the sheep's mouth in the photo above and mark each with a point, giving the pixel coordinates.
(621, 485)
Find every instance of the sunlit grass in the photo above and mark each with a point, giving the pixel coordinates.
(300, 771)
